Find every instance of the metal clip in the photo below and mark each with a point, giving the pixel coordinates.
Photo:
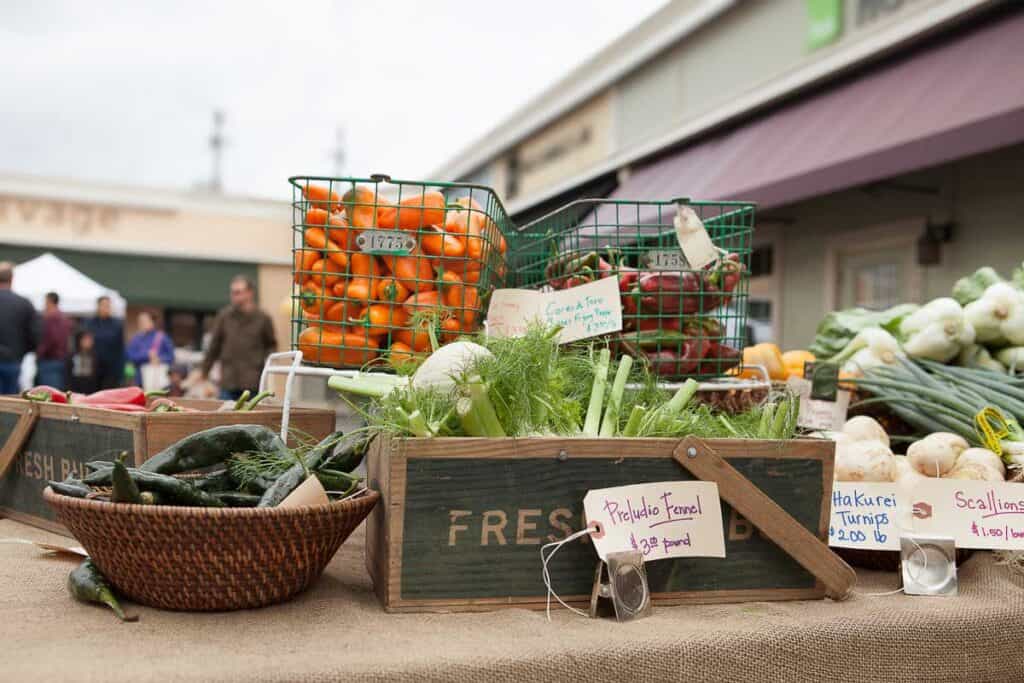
(928, 565)
(623, 581)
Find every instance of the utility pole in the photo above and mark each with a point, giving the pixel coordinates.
(338, 153)
(217, 150)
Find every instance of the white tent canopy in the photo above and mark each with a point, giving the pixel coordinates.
(78, 292)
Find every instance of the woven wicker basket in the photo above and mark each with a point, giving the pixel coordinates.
(203, 559)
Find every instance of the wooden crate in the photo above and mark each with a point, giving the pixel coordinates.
(64, 437)
(462, 520)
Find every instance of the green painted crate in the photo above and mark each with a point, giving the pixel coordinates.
(461, 521)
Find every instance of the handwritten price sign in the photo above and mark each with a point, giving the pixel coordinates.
(662, 520)
(586, 311)
(864, 515)
(976, 514)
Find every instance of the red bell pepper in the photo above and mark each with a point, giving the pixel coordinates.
(717, 359)
(122, 395)
(669, 363)
(720, 280)
(670, 292)
(46, 394)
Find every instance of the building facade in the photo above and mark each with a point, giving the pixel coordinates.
(880, 139)
(173, 253)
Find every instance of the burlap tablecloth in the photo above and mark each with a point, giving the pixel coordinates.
(337, 631)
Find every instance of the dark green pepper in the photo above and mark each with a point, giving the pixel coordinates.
(123, 488)
(97, 465)
(236, 499)
(216, 481)
(213, 446)
(339, 483)
(87, 584)
(175, 491)
(296, 474)
(348, 452)
(71, 487)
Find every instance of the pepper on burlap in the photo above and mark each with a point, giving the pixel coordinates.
(188, 558)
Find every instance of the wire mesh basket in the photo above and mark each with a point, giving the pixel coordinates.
(382, 267)
(686, 322)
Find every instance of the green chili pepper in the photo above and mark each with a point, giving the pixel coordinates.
(175, 491)
(71, 487)
(250, 405)
(240, 403)
(340, 483)
(297, 473)
(87, 584)
(96, 465)
(213, 446)
(123, 488)
(236, 499)
(348, 452)
(216, 481)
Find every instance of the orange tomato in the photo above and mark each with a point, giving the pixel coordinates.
(413, 271)
(379, 319)
(321, 197)
(391, 290)
(317, 238)
(304, 260)
(364, 265)
(436, 242)
(361, 207)
(417, 339)
(427, 300)
(357, 289)
(400, 354)
(327, 347)
(325, 273)
(311, 298)
(413, 213)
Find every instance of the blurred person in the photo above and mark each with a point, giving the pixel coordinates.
(52, 353)
(83, 365)
(243, 337)
(108, 336)
(19, 330)
(150, 345)
(176, 381)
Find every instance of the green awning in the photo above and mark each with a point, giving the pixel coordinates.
(149, 280)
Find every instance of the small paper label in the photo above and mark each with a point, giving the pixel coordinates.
(385, 242)
(693, 238)
(309, 492)
(865, 515)
(661, 520)
(975, 514)
(817, 414)
(586, 311)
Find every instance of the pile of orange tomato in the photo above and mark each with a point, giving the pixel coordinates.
(358, 306)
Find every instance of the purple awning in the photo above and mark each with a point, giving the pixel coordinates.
(953, 99)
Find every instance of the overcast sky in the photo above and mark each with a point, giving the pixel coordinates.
(125, 93)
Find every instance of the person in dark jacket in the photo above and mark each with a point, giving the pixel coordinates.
(19, 330)
(108, 333)
(243, 337)
(82, 365)
(52, 354)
